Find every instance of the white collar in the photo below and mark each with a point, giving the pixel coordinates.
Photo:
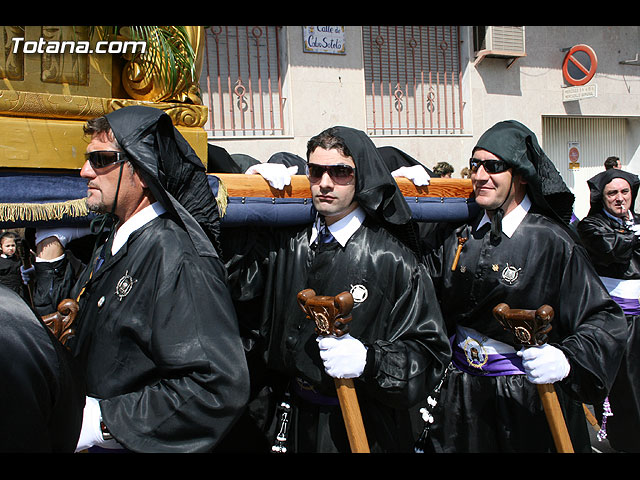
(512, 219)
(343, 229)
(138, 220)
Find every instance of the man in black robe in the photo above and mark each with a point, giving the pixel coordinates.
(41, 395)
(611, 235)
(156, 333)
(519, 251)
(396, 349)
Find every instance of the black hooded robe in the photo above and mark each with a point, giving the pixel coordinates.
(614, 249)
(157, 333)
(479, 413)
(540, 264)
(399, 321)
(396, 316)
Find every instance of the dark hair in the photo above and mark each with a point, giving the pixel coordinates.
(97, 125)
(328, 139)
(442, 168)
(11, 235)
(611, 162)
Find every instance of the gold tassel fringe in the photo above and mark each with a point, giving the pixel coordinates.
(222, 198)
(33, 212)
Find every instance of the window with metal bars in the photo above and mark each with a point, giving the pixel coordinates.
(241, 81)
(413, 80)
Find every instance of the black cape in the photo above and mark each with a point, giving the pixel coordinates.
(41, 393)
(503, 413)
(399, 321)
(158, 335)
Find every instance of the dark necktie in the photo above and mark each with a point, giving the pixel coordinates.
(324, 235)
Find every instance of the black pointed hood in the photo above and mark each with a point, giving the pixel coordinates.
(597, 183)
(376, 190)
(171, 168)
(514, 143)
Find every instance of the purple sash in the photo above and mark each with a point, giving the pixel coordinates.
(478, 355)
(630, 306)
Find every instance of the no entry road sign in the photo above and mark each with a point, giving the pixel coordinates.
(579, 65)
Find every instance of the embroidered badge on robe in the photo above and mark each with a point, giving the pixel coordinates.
(359, 293)
(510, 274)
(475, 353)
(124, 285)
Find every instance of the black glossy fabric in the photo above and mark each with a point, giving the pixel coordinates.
(588, 327)
(173, 171)
(165, 359)
(614, 250)
(376, 190)
(10, 273)
(394, 158)
(400, 322)
(41, 393)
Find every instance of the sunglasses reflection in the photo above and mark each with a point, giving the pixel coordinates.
(340, 174)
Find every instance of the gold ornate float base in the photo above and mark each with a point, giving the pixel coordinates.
(43, 130)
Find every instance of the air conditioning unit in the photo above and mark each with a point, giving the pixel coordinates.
(499, 42)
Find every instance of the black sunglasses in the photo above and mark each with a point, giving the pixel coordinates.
(340, 174)
(491, 166)
(103, 158)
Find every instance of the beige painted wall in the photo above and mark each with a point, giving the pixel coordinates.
(324, 90)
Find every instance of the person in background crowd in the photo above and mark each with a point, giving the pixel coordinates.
(10, 263)
(611, 235)
(443, 169)
(612, 162)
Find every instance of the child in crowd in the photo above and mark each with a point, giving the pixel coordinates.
(10, 263)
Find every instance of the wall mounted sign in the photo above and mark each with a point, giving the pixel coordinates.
(574, 155)
(324, 39)
(570, 94)
(579, 65)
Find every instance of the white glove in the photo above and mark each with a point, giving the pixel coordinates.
(343, 357)
(417, 174)
(25, 273)
(544, 364)
(63, 234)
(91, 433)
(277, 174)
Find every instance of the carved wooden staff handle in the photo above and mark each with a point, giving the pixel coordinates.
(61, 321)
(332, 316)
(530, 328)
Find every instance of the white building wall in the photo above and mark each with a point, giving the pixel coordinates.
(322, 90)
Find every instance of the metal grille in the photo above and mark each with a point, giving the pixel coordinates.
(241, 81)
(413, 80)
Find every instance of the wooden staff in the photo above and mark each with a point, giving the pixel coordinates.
(530, 328)
(461, 241)
(332, 316)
